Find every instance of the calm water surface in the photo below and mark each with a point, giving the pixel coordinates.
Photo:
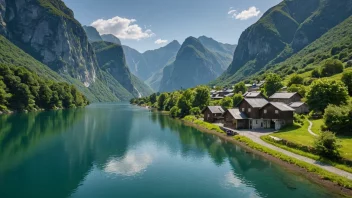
(118, 150)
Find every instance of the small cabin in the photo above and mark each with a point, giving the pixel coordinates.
(213, 114)
(300, 107)
(286, 98)
(235, 119)
(279, 114)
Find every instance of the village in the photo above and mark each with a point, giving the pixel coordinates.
(256, 111)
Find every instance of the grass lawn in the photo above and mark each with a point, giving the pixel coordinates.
(300, 135)
(296, 134)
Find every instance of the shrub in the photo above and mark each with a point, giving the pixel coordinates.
(326, 145)
(295, 79)
(299, 119)
(301, 89)
(338, 118)
(331, 67)
(349, 63)
(316, 73)
(347, 79)
(195, 111)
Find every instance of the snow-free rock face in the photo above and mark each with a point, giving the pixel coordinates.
(2, 16)
(47, 30)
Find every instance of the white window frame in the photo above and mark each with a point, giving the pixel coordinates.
(243, 109)
(276, 111)
(249, 110)
(265, 111)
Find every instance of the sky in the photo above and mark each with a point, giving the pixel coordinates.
(151, 24)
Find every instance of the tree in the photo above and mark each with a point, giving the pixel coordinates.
(240, 87)
(4, 96)
(153, 98)
(324, 92)
(331, 67)
(172, 100)
(161, 100)
(202, 97)
(301, 89)
(338, 119)
(185, 102)
(226, 103)
(347, 79)
(236, 99)
(295, 80)
(273, 83)
(195, 111)
(174, 112)
(327, 146)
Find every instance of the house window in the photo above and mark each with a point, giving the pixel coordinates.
(276, 111)
(265, 111)
(249, 109)
(208, 115)
(243, 109)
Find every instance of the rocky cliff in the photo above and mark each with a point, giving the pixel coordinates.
(111, 38)
(92, 34)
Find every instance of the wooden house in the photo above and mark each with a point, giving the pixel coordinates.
(253, 94)
(236, 119)
(300, 107)
(213, 114)
(286, 98)
(251, 108)
(278, 114)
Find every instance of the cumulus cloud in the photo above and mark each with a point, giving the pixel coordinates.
(122, 28)
(244, 14)
(160, 41)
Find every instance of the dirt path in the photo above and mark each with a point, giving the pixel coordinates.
(255, 136)
(310, 129)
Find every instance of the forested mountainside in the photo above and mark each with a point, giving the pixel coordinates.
(194, 65)
(281, 32)
(56, 46)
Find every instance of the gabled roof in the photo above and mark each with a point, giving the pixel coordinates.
(252, 94)
(282, 106)
(215, 109)
(282, 95)
(256, 102)
(296, 104)
(237, 114)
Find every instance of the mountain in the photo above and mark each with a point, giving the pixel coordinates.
(194, 65)
(144, 65)
(52, 43)
(92, 34)
(111, 38)
(281, 32)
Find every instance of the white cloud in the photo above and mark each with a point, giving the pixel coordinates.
(160, 41)
(245, 14)
(122, 28)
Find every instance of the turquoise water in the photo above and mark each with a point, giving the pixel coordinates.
(118, 150)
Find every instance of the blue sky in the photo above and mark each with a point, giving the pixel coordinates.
(150, 24)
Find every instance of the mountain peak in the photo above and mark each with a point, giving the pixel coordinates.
(111, 38)
(92, 34)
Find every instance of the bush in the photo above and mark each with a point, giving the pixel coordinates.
(338, 118)
(299, 119)
(301, 89)
(195, 111)
(174, 112)
(326, 145)
(316, 73)
(347, 79)
(349, 63)
(295, 80)
(331, 67)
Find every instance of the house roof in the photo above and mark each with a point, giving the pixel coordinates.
(282, 95)
(252, 94)
(229, 95)
(215, 109)
(256, 102)
(237, 114)
(296, 104)
(282, 106)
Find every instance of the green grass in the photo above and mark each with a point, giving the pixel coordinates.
(296, 134)
(341, 181)
(317, 124)
(206, 125)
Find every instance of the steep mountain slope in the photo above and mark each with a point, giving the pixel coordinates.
(282, 31)
(92, 34)
(224, 52)
(47, 31)
(194, 65)
(111, 38)
(144, 65)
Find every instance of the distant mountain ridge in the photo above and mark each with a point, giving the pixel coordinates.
(282, 31)
(194, 65)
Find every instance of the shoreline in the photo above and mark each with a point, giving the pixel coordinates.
(333, 187)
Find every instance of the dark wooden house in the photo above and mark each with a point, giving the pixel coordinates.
(236, 119)
(251, 108)
(300, 107)
(279, 114)
(213, 114)
(286, 98)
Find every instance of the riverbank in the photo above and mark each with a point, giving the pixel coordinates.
(335, 183)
